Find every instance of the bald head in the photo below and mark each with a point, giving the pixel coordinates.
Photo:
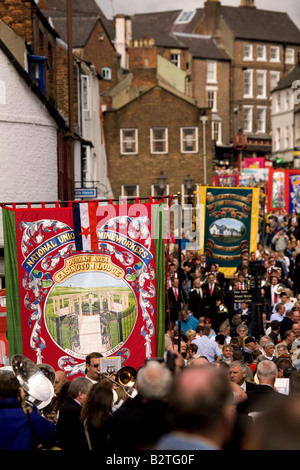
(201, 403)
(60, 379)
(198, 361)
(201, 380)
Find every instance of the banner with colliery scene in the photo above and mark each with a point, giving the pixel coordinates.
(284, 190)
(81, 279)
(228, 225)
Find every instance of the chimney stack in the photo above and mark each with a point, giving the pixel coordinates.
(209, 24)
(123, 36)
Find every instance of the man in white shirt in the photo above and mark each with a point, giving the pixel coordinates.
(268, 351)
(283, 299)
(279, 312)
(92, 370)
(206, 346)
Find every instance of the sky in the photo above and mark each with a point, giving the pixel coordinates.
(113, 7)
(98, 279)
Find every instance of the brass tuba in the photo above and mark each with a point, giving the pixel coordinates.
(279, 288)
(35, 379)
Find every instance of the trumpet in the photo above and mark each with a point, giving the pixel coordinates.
(125, 378)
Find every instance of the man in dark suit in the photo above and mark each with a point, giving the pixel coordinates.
(270, 293)
(204, 266)
(70, 431)
(266, 304)
(220, 277)
(195, 303)
(143, 418)
(237, 373)
(174, 301)
(264, 394)
(286, 324)
(211, 294)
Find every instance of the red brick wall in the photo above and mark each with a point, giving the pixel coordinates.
(63, 84)
(101, 53)
(17, 15)
(142, 57)
(156, 108)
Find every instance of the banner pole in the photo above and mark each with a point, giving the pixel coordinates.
(179, 276)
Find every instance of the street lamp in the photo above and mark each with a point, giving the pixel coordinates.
(161, 183)
(204, 119)
(189, 186)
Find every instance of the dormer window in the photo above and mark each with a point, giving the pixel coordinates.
(37, 70)
(185, 16)
(106, 73)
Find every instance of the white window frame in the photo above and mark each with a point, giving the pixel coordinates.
(184, 137)
(263, 120)
(248, 109)
(276, 56)
(248, 52)
(274, 76)
(85, 92)
(248, 73)
(278, 139)
(185, 16)
(287, 100)
(216, 131)
(287, 137)
(263, 75)
(213, 99)
(211, 71)
(176, 59)
(123, 190)
(86, 164)
(263, 56)
(106, 73)
(125, 141)
(164, 140)
(154, 190)
(278, 102)
(290, 56)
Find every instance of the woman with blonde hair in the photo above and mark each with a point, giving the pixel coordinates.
(190, 335)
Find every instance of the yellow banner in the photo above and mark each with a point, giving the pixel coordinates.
(228, 225)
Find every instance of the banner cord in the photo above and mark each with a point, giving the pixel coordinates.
(166, 268)
(67, 203)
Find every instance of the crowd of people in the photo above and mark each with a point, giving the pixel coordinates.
(229, 378)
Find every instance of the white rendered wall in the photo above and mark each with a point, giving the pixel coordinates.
(28, 142)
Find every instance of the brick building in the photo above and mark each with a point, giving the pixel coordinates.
(92, 35)
(260, 46)
(155, 130)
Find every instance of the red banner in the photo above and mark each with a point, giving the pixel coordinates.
(75, 302)
(280, 190)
